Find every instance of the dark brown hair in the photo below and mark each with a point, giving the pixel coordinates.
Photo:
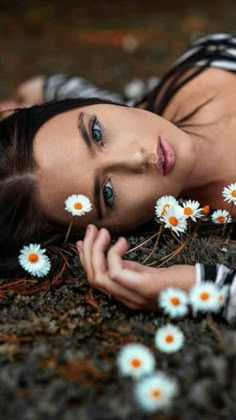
(22, 219)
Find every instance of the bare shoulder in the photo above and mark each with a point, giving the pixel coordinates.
(209, 84)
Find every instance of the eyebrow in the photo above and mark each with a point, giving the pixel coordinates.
(83, 131)
(97, 185)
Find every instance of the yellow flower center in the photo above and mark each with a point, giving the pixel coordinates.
(173, 221)
(33, 258)
(204, 295)
(188, 211)
(135, 363)
(78, 206)
(233, 193)
(175, 300)
(221, 298)
(169, 338)
(165, 207)
(221, 219)
(156, 393)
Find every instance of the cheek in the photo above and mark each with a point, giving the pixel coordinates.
(138, 203)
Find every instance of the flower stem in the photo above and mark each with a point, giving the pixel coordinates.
(68, 231)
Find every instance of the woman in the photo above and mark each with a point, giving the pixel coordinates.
(178, 140)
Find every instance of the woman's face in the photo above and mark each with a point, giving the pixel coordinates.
(110, 154)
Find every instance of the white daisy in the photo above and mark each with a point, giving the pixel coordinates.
(223, 294)
(192, 209)
(169, 338)
(135, 360)
(155, 391)
(163, 204)
(229, 193)
(174, 302)
(78, 204)
(204, 297)
(221, 217)
(33, 259)
(174, 219)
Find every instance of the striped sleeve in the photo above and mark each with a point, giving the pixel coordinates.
(216, 50)
(221, 276)
(60, 86)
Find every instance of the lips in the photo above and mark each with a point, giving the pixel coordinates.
(167, 156)
(160, 157)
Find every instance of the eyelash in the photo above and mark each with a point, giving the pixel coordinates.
(94, 121)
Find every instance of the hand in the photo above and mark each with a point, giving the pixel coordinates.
(27, 94)
(133, 284)
(30, 92)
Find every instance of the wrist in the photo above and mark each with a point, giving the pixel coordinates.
(181, 276)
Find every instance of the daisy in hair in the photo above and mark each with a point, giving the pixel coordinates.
(169, 338)
(192, 210)
(204, 297)
(221, 217)
(229, 193)
(135, 360)
(163, 204)
(174, 219)
(174, 302)
(78, 204)
(155, 391)
(33, 259)
(223, 294)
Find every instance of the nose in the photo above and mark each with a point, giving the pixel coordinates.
(133, 158)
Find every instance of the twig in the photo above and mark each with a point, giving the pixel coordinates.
(172, 254)
(142, 243)
(155, 245)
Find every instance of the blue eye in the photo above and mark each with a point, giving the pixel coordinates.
(96, 131)
(108, 193)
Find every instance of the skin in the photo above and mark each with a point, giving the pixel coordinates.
(124, 160)
(127, 158)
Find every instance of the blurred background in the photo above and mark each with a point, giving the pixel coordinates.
(108, 42)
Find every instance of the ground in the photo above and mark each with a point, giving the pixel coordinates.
(59, 339)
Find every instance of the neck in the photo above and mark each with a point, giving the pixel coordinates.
(205, 182)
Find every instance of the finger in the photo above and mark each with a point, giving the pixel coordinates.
(99, 263)
(90, 236)
(101, 278)
(121, 294)
(146, 305)
(125, 277)
(79, 246)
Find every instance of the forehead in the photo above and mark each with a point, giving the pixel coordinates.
(65, 165)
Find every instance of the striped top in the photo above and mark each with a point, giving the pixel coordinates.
(215, 50)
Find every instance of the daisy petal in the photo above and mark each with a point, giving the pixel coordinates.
(78, 204)
(155, 391)
(135, 360)
(33, 259)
